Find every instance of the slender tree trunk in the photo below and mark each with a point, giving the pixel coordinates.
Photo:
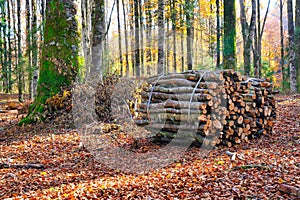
(137, 39)
(98, 32)
(15, 60)
(29, 48)
(86, 34)
(292, 64)
(2, 37)
(4, 51)
(218, 65)
(43, 8)
(120, 38)
(173, 10)
(20, 63)
(9, 59)
(149, 36)
(6, 36)
(247, 32)
(181, 37)
(161, 38)
(257, 49)
(189, 30)
(297, 41)
(35, 47)
(258, 40)
(167, 49)
(211, 33)
(229, 50)
(131, 25)
(126, 39)
(142, 68)
(285, 74)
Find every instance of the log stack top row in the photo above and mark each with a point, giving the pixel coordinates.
(216, 107)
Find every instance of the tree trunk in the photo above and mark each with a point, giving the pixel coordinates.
(181, 37)
(34, 46)
(167, 47)
(229, 49)
(98, 32)
(297, 42)
(247, 32)
(292, 64)
(126, 39)
(29, 48)
(86, 33)
(119, 38)
(259, 30)
(62, 34)
(20, 59)
(218, 65)
(285, 74)
(9, 56)
(137, 61)
(4, 52)
(173, 10)
(132, 44)
(141, 29)
(161, 38)
(189, 8)
(2, 37)
(149, 36)
(211, 27)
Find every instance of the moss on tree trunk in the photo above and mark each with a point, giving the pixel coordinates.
(61, 58)
(229, 50)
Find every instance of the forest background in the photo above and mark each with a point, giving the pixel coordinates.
(143, 37)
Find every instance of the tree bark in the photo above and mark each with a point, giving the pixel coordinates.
(218, 65)
(119, 38)
(297, 42)
(20, 61)
(292, 64)
(29, 48)
(132, 41)
(86, 33)
(284, 71)
(4, 52)
(174, 35)
(9, 56)
(35, 46)
(141, 29)
(126, 39)
(161, 37)
(98, 32)
(189, 8)
(248, 33)
(137, 39)
(149, 36)
(229, 49)
(181, 37)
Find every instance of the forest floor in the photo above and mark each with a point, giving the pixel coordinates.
(45, 162)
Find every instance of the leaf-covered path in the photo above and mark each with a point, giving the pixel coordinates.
(42, 162)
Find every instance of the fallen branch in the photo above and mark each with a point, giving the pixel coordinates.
(20, 166)
(259, 167)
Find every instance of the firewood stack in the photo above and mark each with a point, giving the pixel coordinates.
(220, 107)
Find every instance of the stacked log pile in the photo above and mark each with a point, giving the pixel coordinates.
(223, 107)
